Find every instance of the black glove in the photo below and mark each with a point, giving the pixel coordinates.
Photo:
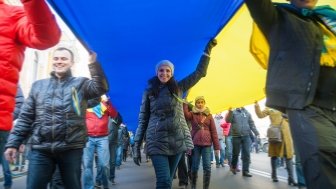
(136, 155)
(210, 45)
(118, 119)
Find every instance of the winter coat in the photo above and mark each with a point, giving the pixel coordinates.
(218, 119)
(226, 128)
(54, 112)
(203, 129)
(162, 117)
(19, 99)
(98, 127)
(32, 26)
(241, 123)
(113, 131)
(286, 146)
(294, 74)
(123, 136)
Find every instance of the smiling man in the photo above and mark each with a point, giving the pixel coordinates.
(54, 116)
(301, 79)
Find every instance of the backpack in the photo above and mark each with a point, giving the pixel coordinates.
(274, 134)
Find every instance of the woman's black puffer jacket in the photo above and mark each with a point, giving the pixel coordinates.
(54, 112)
(162, 118)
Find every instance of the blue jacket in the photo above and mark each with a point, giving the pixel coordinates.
(241, 123)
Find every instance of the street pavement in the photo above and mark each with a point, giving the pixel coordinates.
(131, 176)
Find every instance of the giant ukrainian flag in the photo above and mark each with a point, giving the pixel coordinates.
(131, 36)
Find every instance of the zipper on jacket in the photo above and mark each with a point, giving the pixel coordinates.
(53, 117)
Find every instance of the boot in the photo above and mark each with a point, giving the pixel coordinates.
(189, 176)
(274, 169)
(206, 179)
(246, 174)
(289, 167)
(193, 180)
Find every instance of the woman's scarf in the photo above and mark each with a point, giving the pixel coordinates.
(204, 110)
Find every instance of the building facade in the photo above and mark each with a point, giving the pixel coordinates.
(37, 63)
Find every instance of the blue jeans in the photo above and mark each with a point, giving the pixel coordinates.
(119, 155)
(56, 181)
(100, 145)
(42, 165)
(5, 166)
(228, 149)
(220, 160)
(111, 175)
(244, 142)
(205, 153)
(165, 167)
(212, 153)
(299, 171)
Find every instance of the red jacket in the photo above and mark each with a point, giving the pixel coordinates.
(203, 129)
(98, 127)
(226, 128)
(31, 26)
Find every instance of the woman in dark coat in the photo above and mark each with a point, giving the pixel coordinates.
(161, 118)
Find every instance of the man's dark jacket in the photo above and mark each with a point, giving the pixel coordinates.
(54, 112)
(295, 78)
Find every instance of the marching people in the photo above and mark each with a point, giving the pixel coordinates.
(301, 79)
(241, 126)
(113, 127)
(32, 25)
(279, 149)
(161, 118)
(204, 135)
(99, 111)
(54, 116)
(228, 141)
(218, 118)
(19, 99)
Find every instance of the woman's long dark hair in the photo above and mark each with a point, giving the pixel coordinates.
(155, 84)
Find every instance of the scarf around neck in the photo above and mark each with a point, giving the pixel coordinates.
(205, 110)
(99, 110)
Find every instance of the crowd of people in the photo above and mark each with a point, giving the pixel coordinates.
(69, 124)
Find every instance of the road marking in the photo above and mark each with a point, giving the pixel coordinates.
(267, 175)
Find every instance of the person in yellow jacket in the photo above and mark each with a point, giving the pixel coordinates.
(279, 149)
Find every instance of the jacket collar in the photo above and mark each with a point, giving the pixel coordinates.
(204, 111)
(67, 75)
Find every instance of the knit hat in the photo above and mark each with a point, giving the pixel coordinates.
(165, 63)
(199, 98)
